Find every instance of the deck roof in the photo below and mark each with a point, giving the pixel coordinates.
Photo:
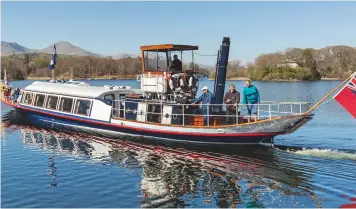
(73, 89)
(168, 47)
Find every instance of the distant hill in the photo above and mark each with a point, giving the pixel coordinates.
(64, 47)
(8, 48)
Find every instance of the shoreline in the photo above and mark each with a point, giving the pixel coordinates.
(280, 80)
(85, 79)
(211, 79)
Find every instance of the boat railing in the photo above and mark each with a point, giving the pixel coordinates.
(211, 112)
(7, 99)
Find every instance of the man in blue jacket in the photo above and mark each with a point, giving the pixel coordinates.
(251, 97)
(205, 98)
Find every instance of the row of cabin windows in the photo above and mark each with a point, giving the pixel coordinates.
(82, 106)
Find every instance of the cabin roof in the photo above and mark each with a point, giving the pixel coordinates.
(168, 47)
(74, 89)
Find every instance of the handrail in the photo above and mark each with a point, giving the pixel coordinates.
(264, 111)
(174, 103)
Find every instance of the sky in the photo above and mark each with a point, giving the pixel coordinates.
(111, 28)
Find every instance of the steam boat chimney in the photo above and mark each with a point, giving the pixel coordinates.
(221, 68)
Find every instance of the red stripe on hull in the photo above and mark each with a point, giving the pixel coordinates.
(148, 130)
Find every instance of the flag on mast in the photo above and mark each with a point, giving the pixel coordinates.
(54, 56)
(346, 97)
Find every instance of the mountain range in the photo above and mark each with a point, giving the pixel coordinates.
(62, 47)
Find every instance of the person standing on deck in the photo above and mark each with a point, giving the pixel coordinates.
(232, 99)
(251, 97)
(206, 98)
(16, 94)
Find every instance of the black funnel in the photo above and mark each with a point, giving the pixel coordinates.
(220, 76)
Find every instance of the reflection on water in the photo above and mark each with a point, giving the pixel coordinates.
(45, 168)
(176, 177)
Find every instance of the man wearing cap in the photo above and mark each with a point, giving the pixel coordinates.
(232, 99)
(251, 97)
(206, 98)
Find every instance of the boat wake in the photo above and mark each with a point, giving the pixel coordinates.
(339, 154)
(326, 153)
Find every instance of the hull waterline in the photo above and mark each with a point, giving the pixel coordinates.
(261, 133)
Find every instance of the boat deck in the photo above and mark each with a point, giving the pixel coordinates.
(190, 115)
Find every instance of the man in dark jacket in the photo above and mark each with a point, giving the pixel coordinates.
(176, 65)
(232, 99)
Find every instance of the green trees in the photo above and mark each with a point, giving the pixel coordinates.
(201, 71)
(303, 64)
(13, 72)
(291, 64)
(76, 67)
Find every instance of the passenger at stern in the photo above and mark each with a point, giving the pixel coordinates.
(16, 94)
(232, 99)
(251, 97)
(206, 98)
(176, 64)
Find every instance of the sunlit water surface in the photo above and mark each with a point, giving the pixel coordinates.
(313, 167)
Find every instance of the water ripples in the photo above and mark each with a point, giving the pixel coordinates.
(88, 171)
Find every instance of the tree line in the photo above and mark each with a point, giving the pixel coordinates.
(308, 64)
(36, 65)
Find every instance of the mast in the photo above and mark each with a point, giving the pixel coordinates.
(53, 60)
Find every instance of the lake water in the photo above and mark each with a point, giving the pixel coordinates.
(313, 167)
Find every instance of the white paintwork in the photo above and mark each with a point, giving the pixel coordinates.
(100, 111)
(75, 90)
(141, 107)
(167, 110)
(156, 84)
(19, 98)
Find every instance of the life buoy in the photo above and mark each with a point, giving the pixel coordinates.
(181, 82)
(171, 86)
(191, 82)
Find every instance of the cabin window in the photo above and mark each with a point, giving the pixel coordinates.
(28, 98)
(121, 104)
(52, 102)
(155, 61)
(82, 107)
(39, 101)
(122, 97)
(23, 97)
(109, 98)
(66, 104)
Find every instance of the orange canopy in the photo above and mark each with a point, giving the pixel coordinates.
(168, 47)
